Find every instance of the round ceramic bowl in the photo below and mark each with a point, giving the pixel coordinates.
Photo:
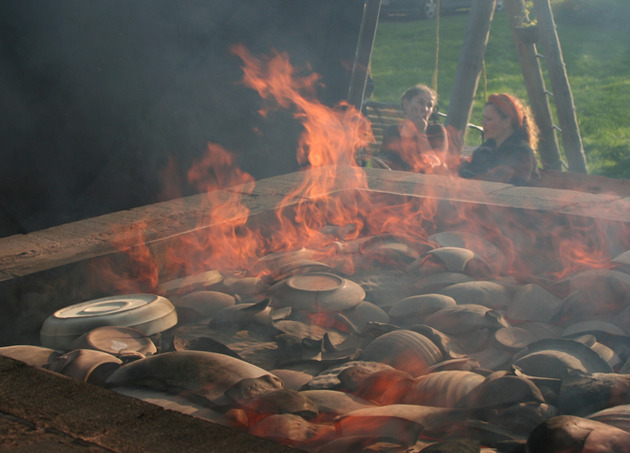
(317, 292)
(85, 365)
(116, 341)
(30, 354)
(148, 313)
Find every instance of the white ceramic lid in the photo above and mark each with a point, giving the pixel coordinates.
(148, 313)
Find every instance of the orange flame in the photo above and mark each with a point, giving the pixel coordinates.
(580, 246)
(327, 147)
(141, 272)
(331, 204)
(230, 244)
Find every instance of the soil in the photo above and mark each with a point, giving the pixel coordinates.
(44, 411)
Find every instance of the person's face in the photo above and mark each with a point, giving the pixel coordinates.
(494, 125)
(419, 107)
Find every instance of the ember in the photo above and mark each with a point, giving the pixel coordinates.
(362, 318)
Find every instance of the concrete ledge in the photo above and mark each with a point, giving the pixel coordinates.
(44, 411)
(22, 255)
(45, 270)
(609, 205)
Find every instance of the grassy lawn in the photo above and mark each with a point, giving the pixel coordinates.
(596, 55)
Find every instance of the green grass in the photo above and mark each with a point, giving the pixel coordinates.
(596, 51)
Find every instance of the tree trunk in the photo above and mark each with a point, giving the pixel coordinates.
(470, 64)
(565, 108)
(535, 84)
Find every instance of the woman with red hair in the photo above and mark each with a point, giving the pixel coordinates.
(508, 152)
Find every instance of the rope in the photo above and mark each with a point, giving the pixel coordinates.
(437, 48)
(485, 79)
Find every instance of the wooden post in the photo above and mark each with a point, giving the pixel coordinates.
(367, 32)
(470, 64)
(548, 148)
(565, 108)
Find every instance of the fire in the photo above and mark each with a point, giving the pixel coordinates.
(331, 137)
(330, 211)
(231, 244)
(216, 169)
(144, 274)
(583, 248)
(331, 204)
(327, 146)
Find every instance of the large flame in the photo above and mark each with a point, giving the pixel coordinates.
(327, 146)
(328, 210)
(330, 204)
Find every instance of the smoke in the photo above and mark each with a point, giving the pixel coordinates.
(99, 98)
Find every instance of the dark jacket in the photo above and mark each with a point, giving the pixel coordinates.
(514, 162)
(393, 153)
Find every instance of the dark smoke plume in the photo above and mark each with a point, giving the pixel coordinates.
(106, 103)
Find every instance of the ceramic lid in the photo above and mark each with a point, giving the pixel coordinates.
(115, 340)
(148, 313)
(317, 292)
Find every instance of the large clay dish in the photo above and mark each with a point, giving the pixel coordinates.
(148, 313)
(317, 292)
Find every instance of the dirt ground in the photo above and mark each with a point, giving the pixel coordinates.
(41, 411)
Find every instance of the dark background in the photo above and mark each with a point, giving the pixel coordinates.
(98, 96)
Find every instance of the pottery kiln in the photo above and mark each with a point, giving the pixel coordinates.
(175, 247)
(50, 269)
(53, 268)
